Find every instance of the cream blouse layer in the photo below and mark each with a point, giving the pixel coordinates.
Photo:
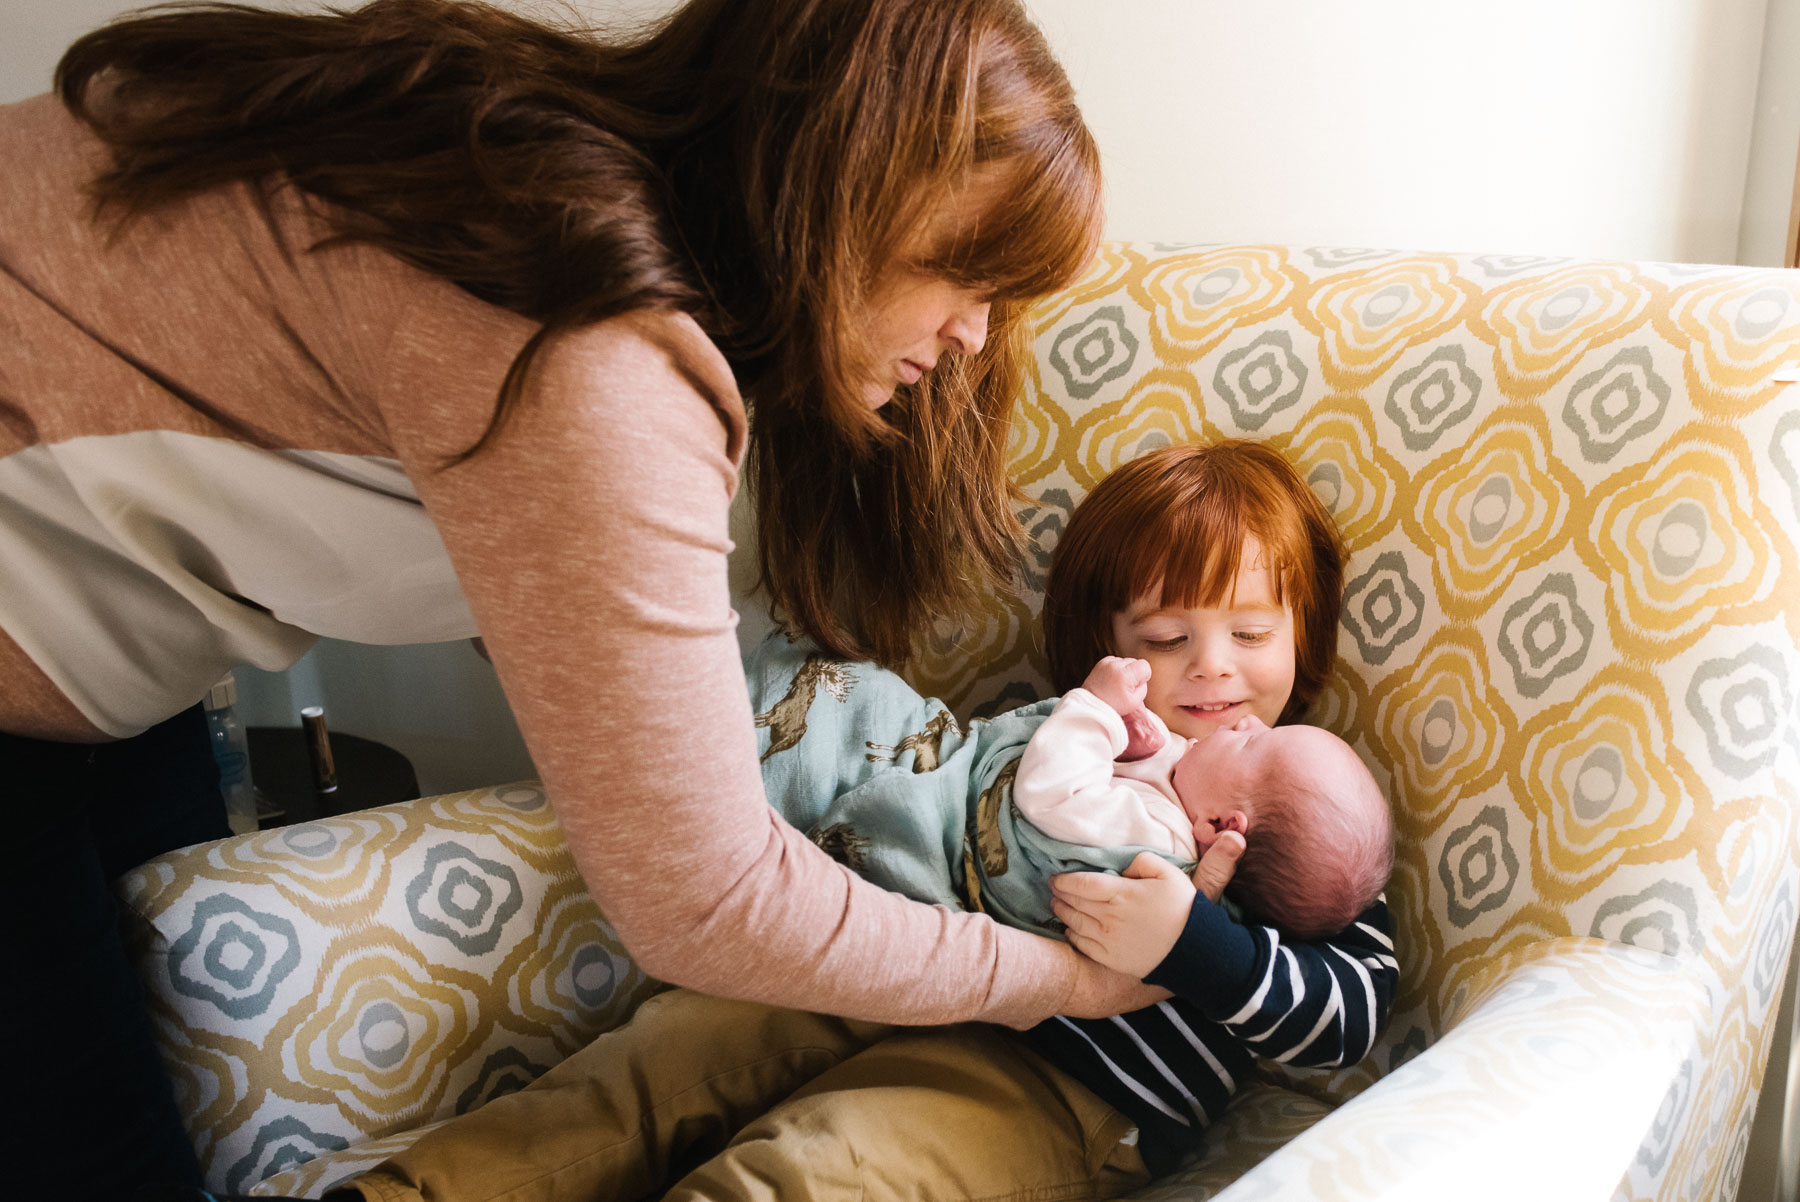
(217, 444)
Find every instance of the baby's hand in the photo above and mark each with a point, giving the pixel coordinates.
(1142, 738)
(1120, 682)
(1127, 923)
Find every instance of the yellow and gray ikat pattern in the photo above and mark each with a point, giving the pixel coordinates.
(1571, 492)
(318, 985)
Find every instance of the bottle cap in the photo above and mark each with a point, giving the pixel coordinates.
(222, 694)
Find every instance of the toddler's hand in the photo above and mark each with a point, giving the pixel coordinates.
(1219, 864)
(1127, 923)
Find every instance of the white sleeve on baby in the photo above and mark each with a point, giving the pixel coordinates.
(1066, 787)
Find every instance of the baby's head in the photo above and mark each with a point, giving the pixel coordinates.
(1318, 836)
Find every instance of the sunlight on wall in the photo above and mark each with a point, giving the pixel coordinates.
(1608, 128)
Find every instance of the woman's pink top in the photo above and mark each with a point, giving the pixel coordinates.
(217, 444)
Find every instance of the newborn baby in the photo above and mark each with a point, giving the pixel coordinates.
(1103, 770)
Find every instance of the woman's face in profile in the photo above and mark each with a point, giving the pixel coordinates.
(915, 319)
(915, 316)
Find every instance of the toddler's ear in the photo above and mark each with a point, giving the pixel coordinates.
(1235, 821)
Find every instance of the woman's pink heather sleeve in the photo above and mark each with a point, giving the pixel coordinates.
(591, 542)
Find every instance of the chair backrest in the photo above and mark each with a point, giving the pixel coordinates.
(1571, 493)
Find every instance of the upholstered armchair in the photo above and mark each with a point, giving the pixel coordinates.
(1570, 650)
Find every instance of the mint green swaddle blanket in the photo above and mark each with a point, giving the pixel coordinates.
(888, 783)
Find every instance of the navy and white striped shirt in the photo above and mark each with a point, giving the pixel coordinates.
(1240, 992)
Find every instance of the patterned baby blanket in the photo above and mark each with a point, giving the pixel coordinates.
(888, 783)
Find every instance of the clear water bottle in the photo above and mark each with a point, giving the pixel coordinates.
(232, 753)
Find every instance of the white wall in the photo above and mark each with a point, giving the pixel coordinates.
(439, 704)
(1614, 128)
(1617, 128)
(1769, 189)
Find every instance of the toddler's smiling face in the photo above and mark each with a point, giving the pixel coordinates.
(1212, 665)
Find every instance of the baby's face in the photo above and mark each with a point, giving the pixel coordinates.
(1220, 778)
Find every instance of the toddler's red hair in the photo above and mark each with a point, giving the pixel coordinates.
(1179, 517)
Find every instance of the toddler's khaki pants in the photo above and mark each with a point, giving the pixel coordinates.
(715, 1099)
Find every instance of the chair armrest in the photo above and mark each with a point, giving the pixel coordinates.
(1554, 1064)
(315, 986)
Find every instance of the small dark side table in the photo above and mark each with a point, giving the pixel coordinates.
(369, 774)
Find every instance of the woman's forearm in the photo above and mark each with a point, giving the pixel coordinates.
(786, 924)
(591, 540)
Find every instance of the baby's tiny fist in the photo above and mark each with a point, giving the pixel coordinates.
(1142, 739)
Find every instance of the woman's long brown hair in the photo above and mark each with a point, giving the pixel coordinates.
(752, 162)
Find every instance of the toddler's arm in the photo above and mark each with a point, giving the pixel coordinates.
(1313, 1005)
(1131, 923)
(1318, 1004)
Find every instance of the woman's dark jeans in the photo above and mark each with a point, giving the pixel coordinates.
(93, 1113)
